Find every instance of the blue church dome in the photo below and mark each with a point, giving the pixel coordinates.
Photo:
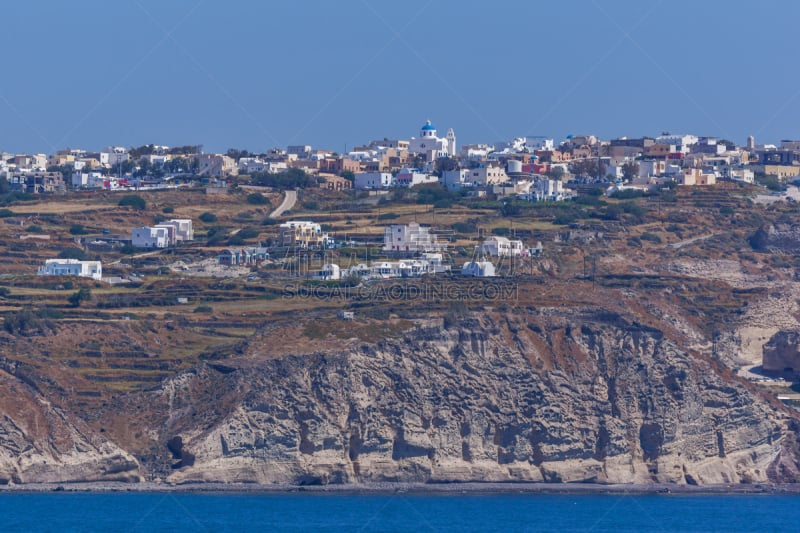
(428, 126)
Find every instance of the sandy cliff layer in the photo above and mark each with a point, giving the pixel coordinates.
(538, 396)
(40, 443)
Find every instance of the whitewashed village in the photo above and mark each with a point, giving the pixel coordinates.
(524, 169)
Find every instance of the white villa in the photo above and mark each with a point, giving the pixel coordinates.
(478, 269)
(373, 180)
(162, 235)
(428, 263)
(151, 237)
(72, 267)
(502, 247)
(183, 229)
(410, 238)
(303, 234)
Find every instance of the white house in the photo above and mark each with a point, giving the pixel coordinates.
(548, 190)
(456, 179)
(373, 180)
(479, 269)
(303, 234)
(502, 247)
(329, 271)
(410, 238)
(72, 267)
(408, 177)
(681, 142)
(113, 155)
(183, 229)
(150, 237)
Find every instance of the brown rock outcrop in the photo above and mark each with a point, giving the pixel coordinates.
(40, 443)
(543, 397)
(782, 352)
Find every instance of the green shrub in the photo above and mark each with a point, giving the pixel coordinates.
(269, 221)
(208, 217)
(257, 198)
(5, 213)
(203, 309)
(169, 209)
(465, 227)
(73, 253)
(248, 233)
(80, 296)
(651, 237)
(387, 216)
(133, 200)
(77, 229)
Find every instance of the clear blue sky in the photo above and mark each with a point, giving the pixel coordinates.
(256, 74)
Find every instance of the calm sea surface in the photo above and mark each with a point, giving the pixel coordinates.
(398, 512)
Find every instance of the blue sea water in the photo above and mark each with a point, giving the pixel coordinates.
(395, 512)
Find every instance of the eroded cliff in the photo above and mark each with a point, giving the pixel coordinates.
(534, 395)
(41, 443)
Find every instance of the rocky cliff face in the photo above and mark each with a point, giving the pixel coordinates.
(782, 352)
(40, 443)
(541, 396)
(781, 238)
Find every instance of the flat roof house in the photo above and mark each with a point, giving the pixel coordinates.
(72, 267)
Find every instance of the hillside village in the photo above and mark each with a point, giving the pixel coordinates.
(132, 271)
(524, 169)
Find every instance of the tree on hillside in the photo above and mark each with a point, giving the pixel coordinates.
(84, 294)
(236, 154)
(630, 170)
(587, 168)
(444, 164)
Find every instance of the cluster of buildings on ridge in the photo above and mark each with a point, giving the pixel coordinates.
(534, 168)
(168, 233)
(531, 168)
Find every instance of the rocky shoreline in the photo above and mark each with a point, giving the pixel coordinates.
(417, 488)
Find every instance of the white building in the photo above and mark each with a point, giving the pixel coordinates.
(409, 177)
(373, 180)
(88, 180)
(742, 174)
(329, 271)
(475, 152)
(183, 229)
(501, 247)
(429, 144)
(410, 238)
(303, 234)
(548, 190)
(456, 179)
(681, 142)
(72, 267)
(248, 165)
(479, 269)
(113, 155)
(539, 143)
(150, 237)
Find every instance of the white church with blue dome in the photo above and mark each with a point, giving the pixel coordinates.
(432, 146)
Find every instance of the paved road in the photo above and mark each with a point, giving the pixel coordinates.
(289, 199)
